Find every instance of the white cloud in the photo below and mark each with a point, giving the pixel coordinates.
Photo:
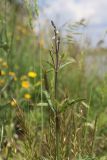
(93, 10)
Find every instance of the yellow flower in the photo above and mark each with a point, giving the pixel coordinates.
(27, 96)
(13, 103)
(4, 64)
(2, 82)
(22, 29)
(3, 73)
(25, 84)
(15, 78)
(32, 74)
(12, 74)
(24, 77)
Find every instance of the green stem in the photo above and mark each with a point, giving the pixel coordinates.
(56, 68)
(57, 136)
(56, 96)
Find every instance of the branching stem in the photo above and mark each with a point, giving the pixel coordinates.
(56, 68)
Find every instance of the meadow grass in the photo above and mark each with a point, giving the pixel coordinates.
(50, 109)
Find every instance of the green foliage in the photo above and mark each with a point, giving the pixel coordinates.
(49, 107)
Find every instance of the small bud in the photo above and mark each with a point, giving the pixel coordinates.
(53, 24)
(53, 37)
(57, 32)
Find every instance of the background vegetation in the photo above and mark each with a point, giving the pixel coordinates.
(53, 91)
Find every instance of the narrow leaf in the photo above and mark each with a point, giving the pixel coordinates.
(47, 96)
(70, 103)
(67, 63)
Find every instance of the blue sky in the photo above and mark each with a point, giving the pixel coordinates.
(61, 11)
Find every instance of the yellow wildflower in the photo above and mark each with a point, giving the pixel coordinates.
(24, 77)
(27, 96)
(25, 84)
(13, 103)
(22, 29)
(4, 64)
(32, 74)
(15, 78)
(2, 82)
(3, 73)
(12, 74)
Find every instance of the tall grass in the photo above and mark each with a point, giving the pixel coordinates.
(50, 109)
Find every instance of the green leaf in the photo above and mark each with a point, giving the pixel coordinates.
(47, 96)
(42, 104)
(70, 61)
(103, 158)
(70, 103)
(85, 105)
(4, 46)
(51, 65)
